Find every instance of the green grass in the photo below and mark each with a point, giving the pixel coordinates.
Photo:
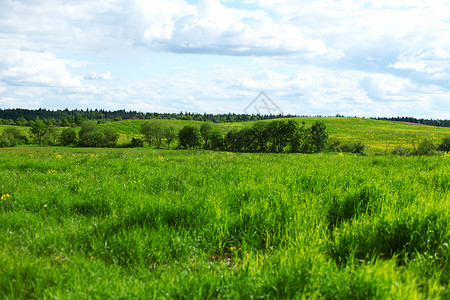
(141, 223)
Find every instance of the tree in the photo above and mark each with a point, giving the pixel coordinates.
(189, 137)
(216, 140)
(170, 135)
(147, 132)
(92, 135)
(426, 147)
(206, 130)
(260, 131)
(68, 137)
(445, 144)
(110, 138)
(38, 130)
(16, 134)
(317, 137)
(153, 132)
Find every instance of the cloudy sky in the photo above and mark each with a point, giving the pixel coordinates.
(358, 58)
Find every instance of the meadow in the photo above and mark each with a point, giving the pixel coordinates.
(145, 223)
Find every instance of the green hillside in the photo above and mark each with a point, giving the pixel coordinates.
(379, 136)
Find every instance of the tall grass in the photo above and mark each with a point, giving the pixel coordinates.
(110, 223)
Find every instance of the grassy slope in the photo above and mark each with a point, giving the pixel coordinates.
(378, 135)
(142, 223)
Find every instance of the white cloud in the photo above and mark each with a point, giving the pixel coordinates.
(98, 76)
(315, 57)
(211, 27)
(28, 68)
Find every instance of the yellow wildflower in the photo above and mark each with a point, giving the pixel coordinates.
(232, 248)
(58, 156)
(160, 158)
(341, 154)
(5, 197)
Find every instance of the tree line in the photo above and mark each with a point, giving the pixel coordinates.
(430, 122)
(75, 117)
(275, 136)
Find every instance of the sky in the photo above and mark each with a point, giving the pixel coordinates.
(374, 58)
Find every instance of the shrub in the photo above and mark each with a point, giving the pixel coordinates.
(333, 145)
(402, 151)
(136, 143)
(426, 147)
(445, 144)
(357, 147)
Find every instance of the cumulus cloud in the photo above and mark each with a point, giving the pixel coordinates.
(28, 68)
(211, 27)
(98, 76)
(316, 57)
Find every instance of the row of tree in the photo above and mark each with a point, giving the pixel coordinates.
(66, 117)
(276, 136)
(90, 135)
(430, 122)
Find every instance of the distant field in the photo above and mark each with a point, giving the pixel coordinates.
(143, 223)
(378, 135)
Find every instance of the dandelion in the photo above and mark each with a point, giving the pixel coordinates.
(92, 257)
(59, 156)
(5, 197)
(232, 248)
(341, 154)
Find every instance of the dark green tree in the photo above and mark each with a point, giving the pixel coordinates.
(68, 137)
(38, 130)
(206, 130)
(170, 135)
(317, 137)
(189, 137)
(216, 141)
(445, 144)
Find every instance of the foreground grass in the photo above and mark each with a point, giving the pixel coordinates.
(110, 223)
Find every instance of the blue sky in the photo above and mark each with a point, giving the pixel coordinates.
(358, 58)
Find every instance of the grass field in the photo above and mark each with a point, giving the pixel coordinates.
(142, 223)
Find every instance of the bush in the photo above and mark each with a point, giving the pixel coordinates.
(333, 145)
(426, 147)
(136, 143)
(445, 144)
(12, 137)
(357, 147)
(402, 151)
